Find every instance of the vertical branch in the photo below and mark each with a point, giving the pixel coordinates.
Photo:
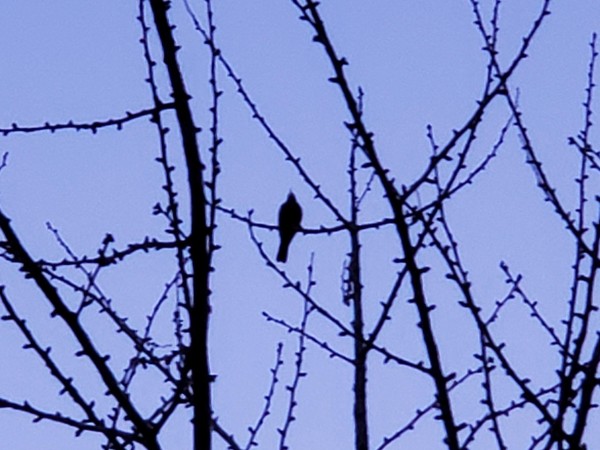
(590, 381)
(588, 386)
(357, 125)
(252, 442)
(299, 363)
(199, 313)
(211, 184)
(571, 359)
(452, 247)
(172, 209)
(581, 225)
(354, 295)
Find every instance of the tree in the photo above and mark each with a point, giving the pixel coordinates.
(418, 343)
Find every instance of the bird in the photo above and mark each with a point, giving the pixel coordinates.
(290, 216)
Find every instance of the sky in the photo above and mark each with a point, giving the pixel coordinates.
(419, 63)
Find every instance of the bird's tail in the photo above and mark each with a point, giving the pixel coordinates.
(282, 254)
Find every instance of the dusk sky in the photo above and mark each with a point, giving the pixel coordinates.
(419, 63)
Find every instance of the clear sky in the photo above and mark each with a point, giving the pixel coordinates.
(418, 62)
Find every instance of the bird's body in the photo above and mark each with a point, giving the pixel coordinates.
(290, 216)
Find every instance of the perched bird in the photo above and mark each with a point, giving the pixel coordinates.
(290, 216)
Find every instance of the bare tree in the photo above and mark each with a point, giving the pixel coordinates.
(471, 400)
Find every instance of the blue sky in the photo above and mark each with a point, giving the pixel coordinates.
(419, 63)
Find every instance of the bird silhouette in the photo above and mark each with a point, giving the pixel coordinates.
(290, 216)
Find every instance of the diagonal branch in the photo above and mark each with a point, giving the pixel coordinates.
(35, 272)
